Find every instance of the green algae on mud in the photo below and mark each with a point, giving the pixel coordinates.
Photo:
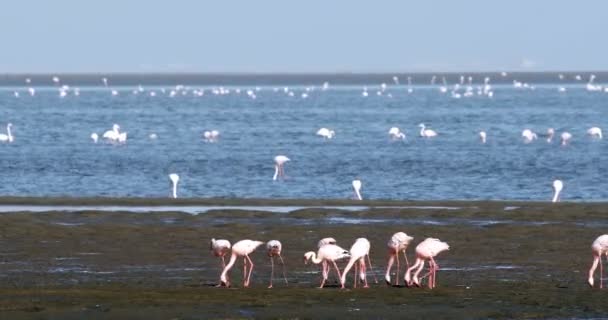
(507, 260)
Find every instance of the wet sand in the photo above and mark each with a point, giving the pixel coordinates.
(507, 260)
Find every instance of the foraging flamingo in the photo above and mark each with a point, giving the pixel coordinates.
(398, 243)
(327, 253)
(566, 137)
(274, 248)
(243, 249)
(357, 189)
(358, 252)
(326, 133)
(558, 185)
(396, 134)
(426, 250)
(528, 135)
(279, 171)
(211, 136)
(220, 248)
(595, 132)
(598, 248)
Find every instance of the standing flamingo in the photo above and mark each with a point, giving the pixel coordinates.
(220, 248)
(426, 133)
(566, 136)
(357, 189)
(426, 250)
(398, 243)
(595, 132)
(8, 137)
(558, 185)
(95, 137)
(174, 180)
(599, 248)
(243, 249)
(550, 134)
(358, 252)
(327, 253)
(482, 136)
(279, 171)
(273, 248)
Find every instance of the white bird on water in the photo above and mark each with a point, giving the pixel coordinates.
(174, 180)
(558, 185)
(566, 137)
(426, 133)
(595, 132)
(8, 137)
(95, 137)
(395, 134)
(482, 136)
(550, 134)
(211, 136)
(279, 171)
(113, 134)
(528, 135)
(357, 189)
(326, 133)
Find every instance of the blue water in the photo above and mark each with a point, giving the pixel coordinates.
(52, 154)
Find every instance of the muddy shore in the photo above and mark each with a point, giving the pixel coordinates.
(507, 260)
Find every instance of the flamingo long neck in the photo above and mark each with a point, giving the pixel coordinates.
(8, 131)
(422, 130)
(276, 172)
(315, 259)
(556, 195)
(228, 267)
(358, 194)
(350, 264)
(174, 189)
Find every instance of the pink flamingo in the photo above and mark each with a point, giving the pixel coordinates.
(324, 264)
(599, 248)
(273, 248)
(358, 252)
(426, 250)
(279, 171)
(328, 253)
(243, 249)
(398, 243)
(220, 248)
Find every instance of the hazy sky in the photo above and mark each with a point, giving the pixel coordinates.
(302, 36)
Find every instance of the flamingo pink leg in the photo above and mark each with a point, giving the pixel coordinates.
(250, 269)
(356, 276)
(283, 263)
(370, 268)
(271, 271)
(391, 260)
(244, 272)
(363, 274)
(601, 273)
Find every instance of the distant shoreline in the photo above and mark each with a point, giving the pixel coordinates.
(316, 79)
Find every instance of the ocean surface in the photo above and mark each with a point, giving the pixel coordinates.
(53, 154)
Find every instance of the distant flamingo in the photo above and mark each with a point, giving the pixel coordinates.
(528, 135)
(357, 189)
(211, 136)
(8, 137)
(426, 133)
(482, 136)
(566, 137)
(558, 185)
(243, 249)
(326, 133)
(426, 250)
(174, 180)
(396, 134)
(113, 134)
(95, 137)
(273, 248)
(595, 132)
(599, 248)
(327, 253)
(358, 252)
(220, 248)
(279, 171)
(398, 243)
(550, 134)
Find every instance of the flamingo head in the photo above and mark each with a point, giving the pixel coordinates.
(308, 256)
(421, 125)
(9, 125)
(116, 127)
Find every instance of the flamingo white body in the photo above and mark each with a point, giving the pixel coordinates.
(243, 249)
(8, 137)
(482, 136)
(274, 248)
(357, 189)
(558, 185)
(599, 248)
(426, 250)
(94, 137)
(566, 137)
(358, 252)
(112, 135)
(279, 163)
(326, 133)
(528, 135)
(395, 134)
(329, 253)
(550, 134)
(325, 241)
(122, 137)
(220, 248)
(211, 136)
(174, 180)
(595, 132)
(426, 133)
(398, 243)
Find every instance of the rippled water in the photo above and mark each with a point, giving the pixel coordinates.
(53, 155)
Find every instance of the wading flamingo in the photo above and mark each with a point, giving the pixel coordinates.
(426, 133)
(550, 134)
(566, 137)
(220, 248)
(243, 249)
(174, 180)
(426, 250)
(113, 134)
(279, 171)
(273, 248)
(358, 252)
(482, 136)
(598, 248)
(398, 243)
(95, 137)
(595, 132)
(528, 135)
(558, 185)
(326, 133)
(211, 136)
(327, 253)
(8, 137)
(395, 134)
(357, 189)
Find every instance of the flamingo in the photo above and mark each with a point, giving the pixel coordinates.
(426, 250)
(396, 134)
(550, 134)
(558, 185)
(326, 133)
(566, 136)
(358, 252)
(322, 242)
(426, 133)
(113, 134)
(599, 248)
(279, 171)
(273, 248)
(243, 249)
(327, 253)
(595, 132)
(8, 137)
(95, 137)
(528, 135)
(211, 136)
(357, 189)
(482, 136)
(398, 243)
(174, 180)
(122, 137)
(220, 248)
